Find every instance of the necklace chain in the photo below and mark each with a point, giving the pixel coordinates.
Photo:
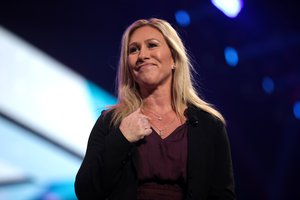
(159, 117)
(160, 131)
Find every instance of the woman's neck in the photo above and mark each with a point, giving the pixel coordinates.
(159, 100)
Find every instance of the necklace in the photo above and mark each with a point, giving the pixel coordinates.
(161, 130)
(159, 117)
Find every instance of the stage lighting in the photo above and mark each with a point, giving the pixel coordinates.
(231, 56)
(182, 17)
(297, 110)
(47, 111)
(268, 85)
(231, 8)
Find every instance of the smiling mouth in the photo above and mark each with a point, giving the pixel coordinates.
(144, 65)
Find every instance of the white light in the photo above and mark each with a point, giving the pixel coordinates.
(42, 93)
(230, 8)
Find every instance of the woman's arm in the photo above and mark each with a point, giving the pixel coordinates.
(107, 153)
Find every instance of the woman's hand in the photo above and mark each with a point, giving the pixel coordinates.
(135, 126)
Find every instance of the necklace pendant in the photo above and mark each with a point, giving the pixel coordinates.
(160, 133)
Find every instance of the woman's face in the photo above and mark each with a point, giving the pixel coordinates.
(150, 58)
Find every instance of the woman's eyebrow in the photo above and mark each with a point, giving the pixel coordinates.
(152, 39)
(133, 43)
(147, 40)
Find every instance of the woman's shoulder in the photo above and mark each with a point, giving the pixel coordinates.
(105, 116)
(203, 116)
(206, 123)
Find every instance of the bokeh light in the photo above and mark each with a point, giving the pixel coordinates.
(297, 110)
(183, 18)
(231, 8)
(268, 85)
(231, 56)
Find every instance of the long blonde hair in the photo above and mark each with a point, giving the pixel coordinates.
(183, 91)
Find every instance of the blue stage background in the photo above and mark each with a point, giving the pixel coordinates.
(259, 93)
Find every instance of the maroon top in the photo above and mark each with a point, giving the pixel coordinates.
(162, 165)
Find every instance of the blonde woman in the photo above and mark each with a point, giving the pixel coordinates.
(160, 141)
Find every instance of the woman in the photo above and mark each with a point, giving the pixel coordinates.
(161, 141)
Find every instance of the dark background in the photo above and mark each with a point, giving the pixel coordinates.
(263, 131)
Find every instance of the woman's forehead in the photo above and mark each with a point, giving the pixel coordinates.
(145, 33)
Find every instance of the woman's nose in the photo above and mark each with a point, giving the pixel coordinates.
(144, 53)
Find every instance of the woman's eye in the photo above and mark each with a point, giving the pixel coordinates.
(133, 49)
(152, 45)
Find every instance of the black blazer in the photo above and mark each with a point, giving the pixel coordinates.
(108, 170)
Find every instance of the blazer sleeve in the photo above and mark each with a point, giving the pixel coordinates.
(222, 183)
(107, 153)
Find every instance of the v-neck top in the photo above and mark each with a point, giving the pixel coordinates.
(163, 160)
